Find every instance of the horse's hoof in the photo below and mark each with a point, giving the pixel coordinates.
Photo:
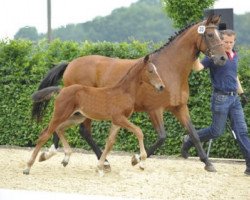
(184, 148)
(210, 168)
(101, 173)
(26, 171)
(106, 167)
(42, 157)
(100, 170)
(135, 159)
(65, 163)
(142, 165)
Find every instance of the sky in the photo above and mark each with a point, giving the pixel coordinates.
(15, 14)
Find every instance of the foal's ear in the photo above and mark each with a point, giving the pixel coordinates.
(146, 58)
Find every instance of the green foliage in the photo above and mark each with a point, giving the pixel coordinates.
(23, 64)
(184, 12)
(27, 33)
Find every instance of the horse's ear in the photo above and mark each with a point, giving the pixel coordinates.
(146, 58)
(214, 19)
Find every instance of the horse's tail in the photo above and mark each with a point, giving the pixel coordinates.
(51, 79)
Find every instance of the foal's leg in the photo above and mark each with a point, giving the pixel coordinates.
(67, 149)
(44, 137)
(109, 144)
(52, 150)
(182, 114)
(125, 123)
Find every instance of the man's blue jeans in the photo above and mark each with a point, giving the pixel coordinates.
(223, 107)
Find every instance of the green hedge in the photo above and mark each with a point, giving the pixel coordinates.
(23, 64)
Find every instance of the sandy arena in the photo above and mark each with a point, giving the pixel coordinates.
(163, 178)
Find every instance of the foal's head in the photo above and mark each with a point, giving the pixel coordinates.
(210, 42)
(150, 74)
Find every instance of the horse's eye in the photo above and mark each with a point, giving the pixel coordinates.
(210, 35)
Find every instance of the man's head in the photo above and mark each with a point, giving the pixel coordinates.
(228, 38)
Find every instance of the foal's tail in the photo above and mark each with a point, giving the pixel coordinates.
(45, 94)
(51, 79)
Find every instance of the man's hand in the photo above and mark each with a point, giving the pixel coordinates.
(244, 99)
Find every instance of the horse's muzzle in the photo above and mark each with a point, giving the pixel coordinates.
(219, 60)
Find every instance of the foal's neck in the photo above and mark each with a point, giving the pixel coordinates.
(132, 78)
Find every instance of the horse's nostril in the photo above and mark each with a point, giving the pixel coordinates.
(161, 87)
(223, 58)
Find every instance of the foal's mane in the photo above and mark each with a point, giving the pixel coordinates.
(131, 73)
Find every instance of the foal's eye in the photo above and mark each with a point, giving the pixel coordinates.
(151, 71)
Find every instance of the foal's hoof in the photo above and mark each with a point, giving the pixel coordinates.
(106, 167)
(26, 171)
(65, 163)
(210, 168)
(142, 165)
(135, 159)
(42, 157)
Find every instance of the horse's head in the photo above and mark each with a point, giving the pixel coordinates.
(210, 43)
(151, 75)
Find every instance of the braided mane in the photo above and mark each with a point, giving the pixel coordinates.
(172, 38)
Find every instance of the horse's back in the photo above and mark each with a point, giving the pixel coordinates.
(96, 71)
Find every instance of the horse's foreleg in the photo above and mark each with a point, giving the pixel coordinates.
(125, 123)
(156, 117)
(109, 144)
(182, 114)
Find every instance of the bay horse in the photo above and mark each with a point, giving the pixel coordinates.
(76, 103)
(174, 61)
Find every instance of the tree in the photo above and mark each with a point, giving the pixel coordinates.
(27, 32)
(184, 12)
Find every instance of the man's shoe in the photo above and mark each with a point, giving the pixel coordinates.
(185, 147)
(247, 171)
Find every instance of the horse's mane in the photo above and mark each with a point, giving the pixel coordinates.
(172, 38)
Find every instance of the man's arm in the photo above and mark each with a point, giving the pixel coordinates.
(197, 66)
(240, 89)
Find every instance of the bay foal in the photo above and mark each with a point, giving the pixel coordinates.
(76, 103)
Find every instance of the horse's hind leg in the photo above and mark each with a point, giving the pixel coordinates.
(85, 132)
(156, 117)
(182, 115)
(109, 144)
(45, 135)
(52, 150)
(67, 149)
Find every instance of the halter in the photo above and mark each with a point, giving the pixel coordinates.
(208, 51)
